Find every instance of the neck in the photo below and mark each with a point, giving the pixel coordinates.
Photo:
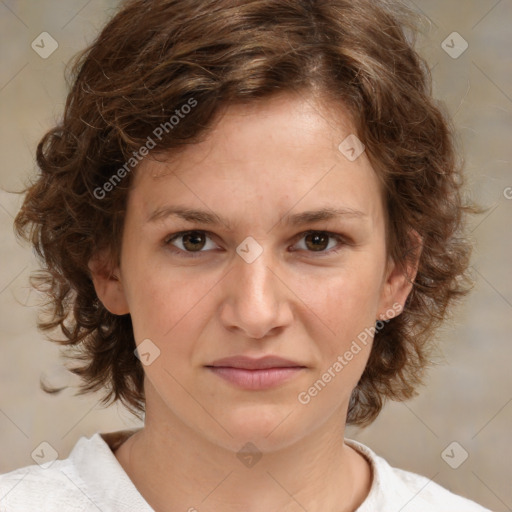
(175, 468)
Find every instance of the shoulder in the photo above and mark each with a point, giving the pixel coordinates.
(49, 488)
(90, 479)
(394, 488)
(435, 497)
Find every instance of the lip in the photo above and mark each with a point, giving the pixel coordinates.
(255, 374)
(256, 379)
(250, 363)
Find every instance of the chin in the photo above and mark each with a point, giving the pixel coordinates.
(266, 426)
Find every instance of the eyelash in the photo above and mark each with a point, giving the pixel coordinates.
(191, 254)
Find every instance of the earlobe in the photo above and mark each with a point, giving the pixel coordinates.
(108, 285)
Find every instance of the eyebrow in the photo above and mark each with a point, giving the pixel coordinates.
(210, 218)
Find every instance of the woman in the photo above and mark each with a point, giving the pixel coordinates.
(250, 221)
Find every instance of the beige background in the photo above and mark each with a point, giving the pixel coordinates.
(468, 399)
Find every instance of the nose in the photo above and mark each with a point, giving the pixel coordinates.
(256, 302)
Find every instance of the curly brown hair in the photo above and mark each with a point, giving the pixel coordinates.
(154, 56)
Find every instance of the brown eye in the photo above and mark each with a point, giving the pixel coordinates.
(193, 241)
(189, 243)
(322, 242)
(317, 241)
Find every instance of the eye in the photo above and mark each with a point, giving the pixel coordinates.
(318, 241)
(190, 241)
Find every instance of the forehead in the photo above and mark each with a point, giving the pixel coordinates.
(288, 125)
(276, 154)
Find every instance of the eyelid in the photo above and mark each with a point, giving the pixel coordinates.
(341, 239)
(170, 238)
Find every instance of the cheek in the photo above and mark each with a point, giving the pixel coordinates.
(345, 306)
(163, 300)
(345, 302)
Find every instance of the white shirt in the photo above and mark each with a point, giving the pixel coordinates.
(92, 480)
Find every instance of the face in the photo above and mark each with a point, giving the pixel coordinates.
(265, 279)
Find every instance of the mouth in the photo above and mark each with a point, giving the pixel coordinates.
(256, 379)
(256, 374)
(250, 363)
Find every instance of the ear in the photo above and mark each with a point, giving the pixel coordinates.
(108, 284)
(398, 282)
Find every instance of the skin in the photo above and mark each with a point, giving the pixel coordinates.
(260, 163)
